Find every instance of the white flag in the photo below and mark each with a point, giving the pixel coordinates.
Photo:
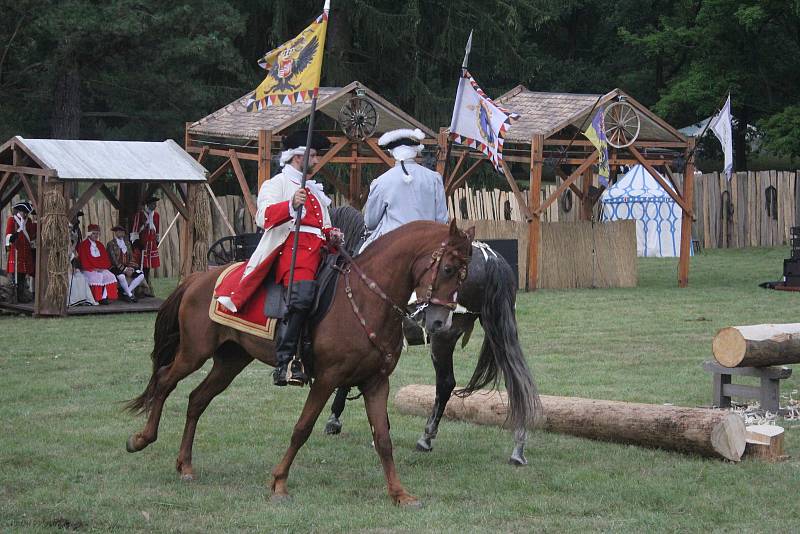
(478, 122)
(722, 128)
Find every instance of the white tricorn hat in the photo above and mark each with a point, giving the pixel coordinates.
(402, 137)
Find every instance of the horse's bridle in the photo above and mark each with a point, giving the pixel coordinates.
(427, 300)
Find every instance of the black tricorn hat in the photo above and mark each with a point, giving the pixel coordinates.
(298, 138)
(151, 199)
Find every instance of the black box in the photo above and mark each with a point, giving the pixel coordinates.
(508, 249)
(791, 268)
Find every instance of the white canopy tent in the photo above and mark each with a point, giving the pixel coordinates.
(638, 196)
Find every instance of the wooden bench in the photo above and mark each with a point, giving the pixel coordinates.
(768, 393)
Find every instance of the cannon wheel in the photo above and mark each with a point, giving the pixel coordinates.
(222, 251)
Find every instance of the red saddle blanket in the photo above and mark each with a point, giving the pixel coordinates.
(251, 318)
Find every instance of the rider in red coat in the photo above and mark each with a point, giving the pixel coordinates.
(280, 199)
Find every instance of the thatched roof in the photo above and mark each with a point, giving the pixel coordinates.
(234, 121)
(548, 113)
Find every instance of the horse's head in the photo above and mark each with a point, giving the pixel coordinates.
(438, 278)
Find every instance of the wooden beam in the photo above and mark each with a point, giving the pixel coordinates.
(180, 206)
(84, 198)
(588, 162)
(686, 218)
(443, 141)
(329, 155)
(220, 170)
(33, 171)
(250, 156)
(110, 196)
(455, 184)
(355, 182)
(672, 179)
(517, 193)
(237, 169)
(373, 144)
(354, 159)
(586, 203)
(643, 144)
(203, 154)
(561, 174)
(657, 177)
(13, 190)
(264, 156)
(4, 180)
(457, 168)
(535, 224)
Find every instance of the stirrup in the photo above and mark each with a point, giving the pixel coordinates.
(295, 374)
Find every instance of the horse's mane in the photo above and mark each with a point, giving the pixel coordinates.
(350, 221)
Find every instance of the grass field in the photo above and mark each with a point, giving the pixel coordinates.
(63, 464)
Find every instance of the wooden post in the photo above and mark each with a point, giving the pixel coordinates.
(441, 160)
(586, 202)
(187, 235)
(355, 177)
(535, 225)
(686, 219)
(264, 156)
(42, 306)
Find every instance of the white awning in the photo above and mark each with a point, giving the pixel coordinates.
(116, 161)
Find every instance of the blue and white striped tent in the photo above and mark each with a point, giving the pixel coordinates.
(638, 196)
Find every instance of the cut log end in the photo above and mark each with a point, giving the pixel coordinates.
(729, 437)
(729, 347)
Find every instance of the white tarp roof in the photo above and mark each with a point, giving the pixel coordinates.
(116, 161)
(636, 184)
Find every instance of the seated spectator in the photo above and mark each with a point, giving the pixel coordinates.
(127, 272)
(95, 264)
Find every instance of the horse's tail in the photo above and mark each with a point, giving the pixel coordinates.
(166, 337)
(501, 350)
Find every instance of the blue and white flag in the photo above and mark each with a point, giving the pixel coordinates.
(723, 129)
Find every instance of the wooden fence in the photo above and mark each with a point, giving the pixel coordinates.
(754, 209)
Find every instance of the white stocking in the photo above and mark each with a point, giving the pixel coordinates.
(135, 283)
(123, 283)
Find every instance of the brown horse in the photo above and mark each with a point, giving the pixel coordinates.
(422, 256)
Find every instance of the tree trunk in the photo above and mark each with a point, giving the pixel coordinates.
(759, 345)
(66, 119)
(694, 430)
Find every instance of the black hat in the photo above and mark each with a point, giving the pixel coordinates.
(118, 227)
(298, 139)
(25, 206)
(79, 214)
(151, 199)
(402, 137)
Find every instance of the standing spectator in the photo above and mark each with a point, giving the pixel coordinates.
(19, 241)
(146, 227)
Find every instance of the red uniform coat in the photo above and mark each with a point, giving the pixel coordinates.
(89, 262)
(149, 237)
(274, 215)
(20, 252)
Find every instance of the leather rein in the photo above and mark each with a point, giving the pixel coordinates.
(422, 303)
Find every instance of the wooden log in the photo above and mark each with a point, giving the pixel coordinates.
(757, 345)
(764, 442)
(706, 432)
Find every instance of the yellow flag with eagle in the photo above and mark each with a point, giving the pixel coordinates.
(293, 69)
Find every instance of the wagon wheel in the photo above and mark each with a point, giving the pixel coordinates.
(358, 118)
(222, 252)
(621, 124)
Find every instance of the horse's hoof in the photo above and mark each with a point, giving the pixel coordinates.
(130, 445)
(187, 477)
(333, 426)
(424, 445)
(280, 498)
(518, 461)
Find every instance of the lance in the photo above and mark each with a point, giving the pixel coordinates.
(296, 239)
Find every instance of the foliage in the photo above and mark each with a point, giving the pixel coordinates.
(64, 463)
(139, 69)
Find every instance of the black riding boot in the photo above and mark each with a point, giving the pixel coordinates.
(301, 302)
